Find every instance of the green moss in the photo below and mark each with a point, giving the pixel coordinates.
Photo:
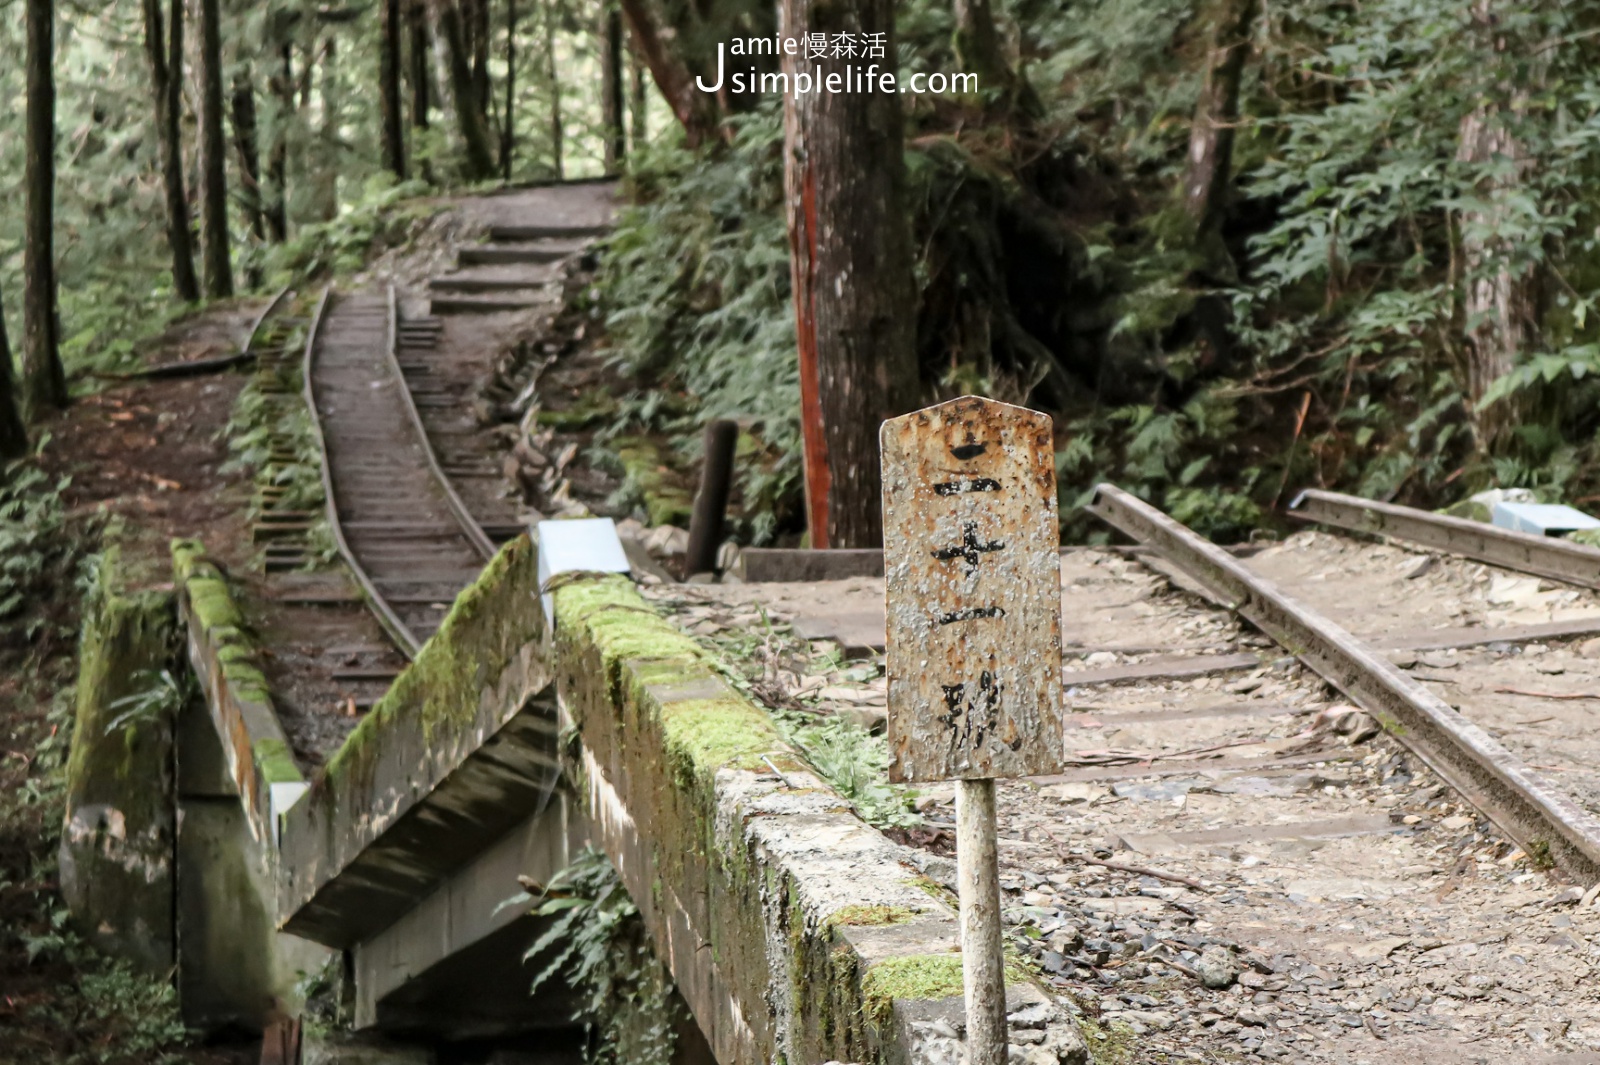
(442, 690)
(934, 888)
(1466, 509)
(701, 735)
(918, 976)
(276, 762)
(666, 501)
(871, 915)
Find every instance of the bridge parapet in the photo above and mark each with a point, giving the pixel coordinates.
(795, 930)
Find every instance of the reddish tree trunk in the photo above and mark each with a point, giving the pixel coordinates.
(855, 297)
(695, 110)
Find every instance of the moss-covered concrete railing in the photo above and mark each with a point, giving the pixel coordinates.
(457, 751)
(227, 665)
(794, 929)
(116, 847)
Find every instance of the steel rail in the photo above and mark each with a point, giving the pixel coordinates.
(1544, 822)
(267, 312)
(405, 640)
(1542, 556)
(469, 524)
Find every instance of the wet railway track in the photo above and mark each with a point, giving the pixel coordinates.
(405, 535)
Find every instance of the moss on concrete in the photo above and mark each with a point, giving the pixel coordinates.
(701, 735)
(871, 915)
(919, 976)
(116, 848)
(276, 762)
(212, 603)
(442, 690)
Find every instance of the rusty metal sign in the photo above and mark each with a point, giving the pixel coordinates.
(973, 587)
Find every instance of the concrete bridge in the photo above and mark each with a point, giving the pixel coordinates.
(527, 728)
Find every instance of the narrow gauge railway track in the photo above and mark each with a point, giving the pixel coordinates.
(404, 533)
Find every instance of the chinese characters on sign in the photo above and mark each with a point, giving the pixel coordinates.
(972, 568)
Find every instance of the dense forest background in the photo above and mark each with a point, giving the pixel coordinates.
(1235, 248)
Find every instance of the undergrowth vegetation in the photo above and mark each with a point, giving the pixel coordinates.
(1414, 193)
(593, 941)
(64, 1001)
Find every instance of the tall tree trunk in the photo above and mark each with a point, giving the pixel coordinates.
(508, 131)
(13, 430)
(553, 81)
(695, 110)
(246, 145)
(325, 183)
(638, 100)
(216, 259)
(854, 294)
(479, 16)
(478, 164)
(281, 85)
(44, 380)
(394, 150)
(1499, 301)
(419, 72)
(1209, 173)
(978, 44)
(611, 71)
(166, 89)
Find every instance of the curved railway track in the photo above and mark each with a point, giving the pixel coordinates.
(405, 535)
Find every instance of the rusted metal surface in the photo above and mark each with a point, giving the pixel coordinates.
(973, 592)
(1520, 801)
(1543, 556)
(392, 514)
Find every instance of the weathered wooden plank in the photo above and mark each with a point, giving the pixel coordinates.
(973, 602)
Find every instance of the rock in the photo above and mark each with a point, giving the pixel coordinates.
(1160, 1020)
(1590, 648)
(1378, 948)
(1101, 658)
(1456, 823)
(1066, 1044)
(1566, 895)
(1035, 1015)
(1420, 567)
(1217, 966)
(667, 541)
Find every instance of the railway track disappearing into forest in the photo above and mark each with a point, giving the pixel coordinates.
(407, 537)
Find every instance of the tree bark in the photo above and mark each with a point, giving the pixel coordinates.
(480, 53)
(478, 164)
(246, 145)
(281, 85)
(639, 100)
(695, 110)
(978, 44)
(394, 151)
(1209, 172)
(553, 81)
(325, 179)
(166, 88)
(611, 70)
(855, 297)
(13, 431)
(508, 131)
(216, 259)
(44, 380)
(1499, 302)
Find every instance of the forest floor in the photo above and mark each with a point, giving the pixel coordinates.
(150, 455)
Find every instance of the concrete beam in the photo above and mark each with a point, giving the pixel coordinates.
(465, 910)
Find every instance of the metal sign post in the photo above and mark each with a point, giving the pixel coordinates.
(973, 586)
